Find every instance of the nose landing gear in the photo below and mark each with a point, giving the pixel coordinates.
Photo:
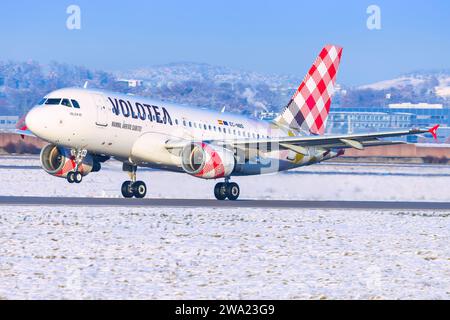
(74, 177)
(227, 189)
(78, 155)
(133, 188)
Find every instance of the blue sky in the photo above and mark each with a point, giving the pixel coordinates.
(280, 36)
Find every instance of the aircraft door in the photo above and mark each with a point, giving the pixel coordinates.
(102, 111)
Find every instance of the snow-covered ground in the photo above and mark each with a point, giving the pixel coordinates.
(155, 253)
(318, 182)
(198, 253)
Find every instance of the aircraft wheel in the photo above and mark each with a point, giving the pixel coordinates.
(78, 177)
(233, 191)
(139, 189)
(71, 177)
(127, 191)
(220, 191)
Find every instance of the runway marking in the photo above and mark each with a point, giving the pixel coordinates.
(208, 203)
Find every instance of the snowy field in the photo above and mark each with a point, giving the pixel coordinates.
(166, 253)
(319, 182)
(112, 253)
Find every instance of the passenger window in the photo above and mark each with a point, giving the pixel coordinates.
(184, 123)
(75, 104)
(176, 121)
(53, 102)
(66, 103)
(190, 124)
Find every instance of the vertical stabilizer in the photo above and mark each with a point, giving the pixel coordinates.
(309, 107)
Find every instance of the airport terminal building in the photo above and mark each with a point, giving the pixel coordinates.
(393, 116)
(8, 123)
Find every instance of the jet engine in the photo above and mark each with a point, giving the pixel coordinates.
(205, 161)
(58, 162)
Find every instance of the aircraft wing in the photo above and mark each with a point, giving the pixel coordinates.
(300, 144)
(23, 133)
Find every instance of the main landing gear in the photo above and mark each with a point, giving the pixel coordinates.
(74, 177)
(227, 189)
(78, 155)
(133, 188)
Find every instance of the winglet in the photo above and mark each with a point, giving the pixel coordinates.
(21, 125)
(22, 129)
(433, 131)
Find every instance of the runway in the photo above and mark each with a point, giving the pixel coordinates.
(208, 203)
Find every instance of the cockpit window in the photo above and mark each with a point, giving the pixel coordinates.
(66, 102)
(42, 101)
(75, 104)
(53, 102)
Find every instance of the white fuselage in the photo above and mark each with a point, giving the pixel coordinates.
(136, 129)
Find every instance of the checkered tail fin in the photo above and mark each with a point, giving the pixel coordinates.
(309, 107)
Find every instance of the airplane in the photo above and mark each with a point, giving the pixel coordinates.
(87, 127)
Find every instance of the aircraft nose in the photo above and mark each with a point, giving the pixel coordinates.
(34, 121)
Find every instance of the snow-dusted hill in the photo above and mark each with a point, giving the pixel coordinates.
(398, 83)
(190, 71)
(206, 86)
(214, 87)
(417, 87)
(438, 82)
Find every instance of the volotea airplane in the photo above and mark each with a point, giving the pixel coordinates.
(86, 127)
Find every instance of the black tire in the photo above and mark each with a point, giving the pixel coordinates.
(220, 191)
(139, 189)
(78, 177)
(71, 177)
(233, 191)
(127, 191)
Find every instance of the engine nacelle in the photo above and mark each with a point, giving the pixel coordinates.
(205, 161)
(58, 162)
